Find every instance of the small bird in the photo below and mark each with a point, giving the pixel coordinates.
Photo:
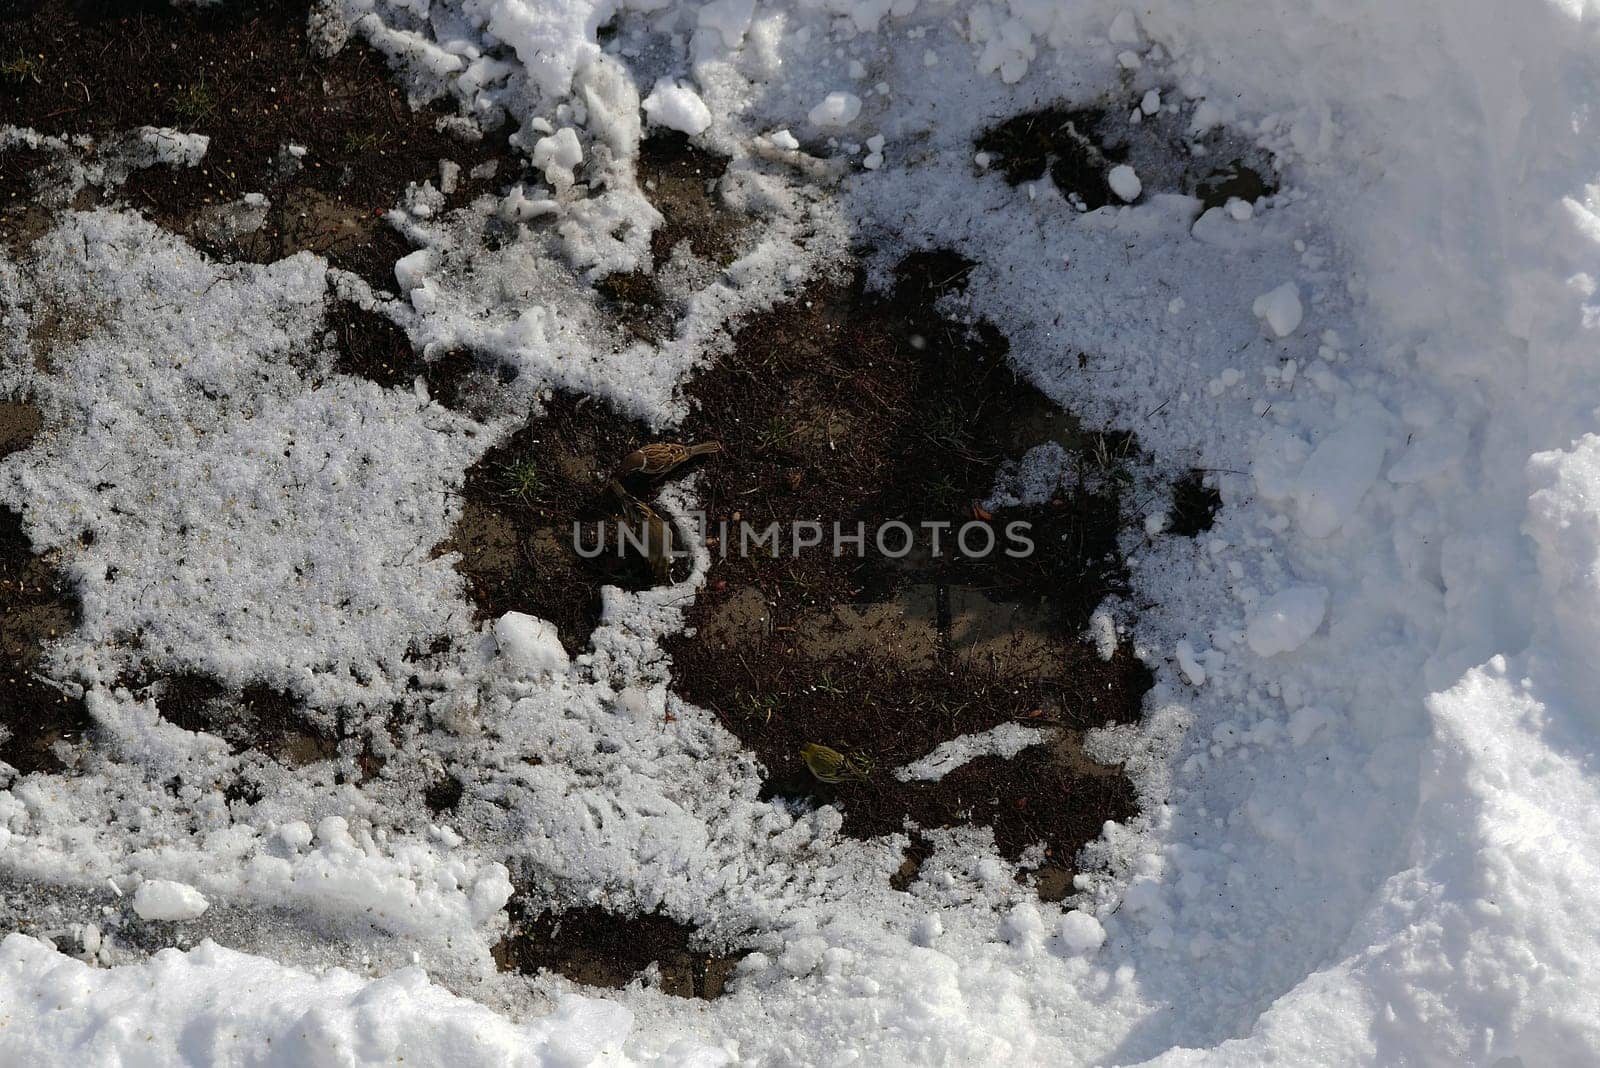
(830, 765)
(654, 531)
(660, 457)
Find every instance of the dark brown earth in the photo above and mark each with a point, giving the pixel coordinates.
(1194, 505)
(682, 181)
(245, 75)
(1057, 140)
(1078, 146)
(367, 343)
(519, 506)
(600, 948)
(855, 406)
(257, 717)
(860, 407)
(37, 605)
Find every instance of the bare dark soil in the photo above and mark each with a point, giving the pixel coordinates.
(682, 181)
(245, 75)
(1194, 505)
(521, 504)
(600, 948)
(19, 422)
(1059, 141)
(1078, 147)
(370, 345)
(258, 717)
(852, 406)
(37, 605)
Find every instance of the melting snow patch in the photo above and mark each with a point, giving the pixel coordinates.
(1006, 740)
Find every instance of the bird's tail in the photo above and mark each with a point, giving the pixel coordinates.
(705, 448)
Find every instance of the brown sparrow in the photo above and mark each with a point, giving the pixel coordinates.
(655, 531)
(659, 457)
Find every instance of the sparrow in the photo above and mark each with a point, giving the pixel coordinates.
(654, 531)
(830, 765)
(660, 457)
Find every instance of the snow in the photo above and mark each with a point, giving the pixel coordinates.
(241, 1009)
(1287, 620)
(677, 107)
(163, 899)
(1189, 663)
(729, 18)
(174, 148)
(1360, 835)
(1124, 29)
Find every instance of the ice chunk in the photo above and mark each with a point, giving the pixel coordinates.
(1125, 182)
(730, 18)
(162, 899)
(529, 645)
(1280, 309)
(837, 110)
(519, 207)
(1124, 28)
(558, 155)
(1306, 722)
(874, 158)
(1103, 631)
(1287, 620)
(677, 107)
(551, 40)
(410, 271)
(785, 140)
